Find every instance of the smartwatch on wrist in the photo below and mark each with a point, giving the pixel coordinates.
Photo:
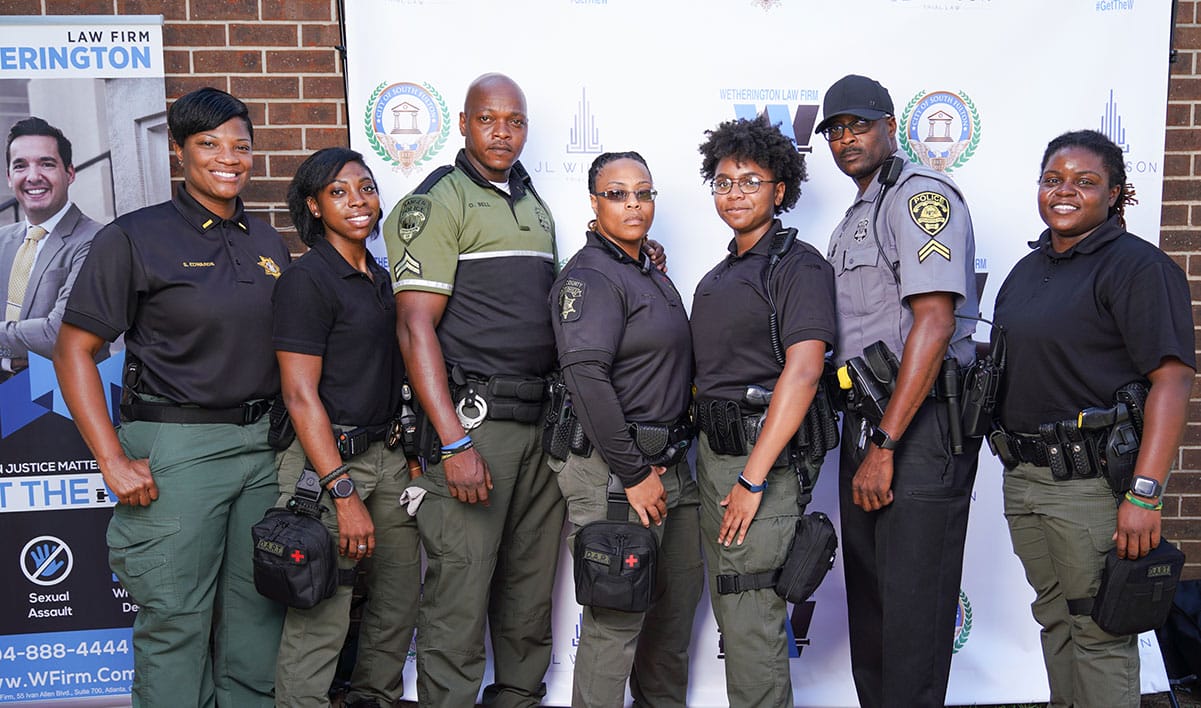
(342, 488)
(882, 439)
(1146, 487)
(753, 488)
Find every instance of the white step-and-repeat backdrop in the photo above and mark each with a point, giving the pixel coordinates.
(980, 87)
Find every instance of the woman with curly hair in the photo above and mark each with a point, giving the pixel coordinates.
(762, 321)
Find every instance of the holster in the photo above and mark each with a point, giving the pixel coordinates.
(562, 433)
(280, 434)
(427, 444)
(663, 445)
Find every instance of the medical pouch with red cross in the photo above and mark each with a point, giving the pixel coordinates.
(615, 564)
(295, 559)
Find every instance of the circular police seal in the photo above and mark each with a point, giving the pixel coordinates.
(406, 124)
(940, 129)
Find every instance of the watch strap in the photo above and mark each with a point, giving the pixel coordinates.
(881, 439)
(754, 488)
(1142, 481)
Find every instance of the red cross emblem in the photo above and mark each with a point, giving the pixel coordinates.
(632, 561)
(297, 556)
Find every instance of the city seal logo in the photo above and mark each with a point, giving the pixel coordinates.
(963, 622)
(940, 129)
(269, 267)
(406, 124)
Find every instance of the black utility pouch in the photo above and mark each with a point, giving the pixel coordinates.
(295, 557)
(615, 560)
(1136, 595)
(280, 434)
(722, 420)
(810, 557)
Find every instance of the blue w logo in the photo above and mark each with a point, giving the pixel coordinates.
(798, 127)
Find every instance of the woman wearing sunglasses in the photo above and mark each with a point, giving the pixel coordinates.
(750, 495)
(626, 356)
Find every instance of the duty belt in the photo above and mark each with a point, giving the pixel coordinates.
(155, 412)
(499, 398)
(1069, 452)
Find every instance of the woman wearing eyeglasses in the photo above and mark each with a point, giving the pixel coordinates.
(626, 357)
(750, 496)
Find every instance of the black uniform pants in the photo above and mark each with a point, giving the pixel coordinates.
(903, 563)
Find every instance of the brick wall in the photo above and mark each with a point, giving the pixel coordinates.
(277, 56)
(1181, 237)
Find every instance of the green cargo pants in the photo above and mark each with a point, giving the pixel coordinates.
(495, 563)
(313, 638)
(1061, 531)
(650, 649)
(203, 635)
(752, 623)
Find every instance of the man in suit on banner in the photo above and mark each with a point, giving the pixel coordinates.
(40, 255)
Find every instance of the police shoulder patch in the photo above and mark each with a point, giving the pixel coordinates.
(930, 211)
(414, 215)
(571, 300)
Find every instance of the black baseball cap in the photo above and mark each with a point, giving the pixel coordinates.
(857, 96)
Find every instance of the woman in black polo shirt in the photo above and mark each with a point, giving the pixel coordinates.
(750, 497)
(341, 373)
(1092, 309)
(188, 282)
(623, 341)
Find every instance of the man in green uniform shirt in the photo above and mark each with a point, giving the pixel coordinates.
(473, 258)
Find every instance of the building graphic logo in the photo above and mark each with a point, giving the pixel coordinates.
(585, 136)
(406, 124)
(1111, 124)
(940, 129)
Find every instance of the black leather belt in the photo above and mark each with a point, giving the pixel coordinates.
(156, 412)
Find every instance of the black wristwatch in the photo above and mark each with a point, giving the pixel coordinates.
(342, 488)
(882, 439)
(1146, 487)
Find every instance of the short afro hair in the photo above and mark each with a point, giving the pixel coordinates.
(756, 140)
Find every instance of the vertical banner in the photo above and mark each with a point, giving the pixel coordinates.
(614, 75)
(64, 618)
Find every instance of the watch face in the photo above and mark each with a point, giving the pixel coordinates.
(1145, 487)
(342, 488)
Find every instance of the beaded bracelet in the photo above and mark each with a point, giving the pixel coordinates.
(1142, 504)
(457, 444)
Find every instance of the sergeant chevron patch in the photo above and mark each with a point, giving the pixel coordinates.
(933, 246)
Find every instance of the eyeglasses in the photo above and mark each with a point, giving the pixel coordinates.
(746, 185)
(621, 195)
(859, 126)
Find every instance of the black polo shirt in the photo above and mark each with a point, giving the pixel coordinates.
(1082, 323)
(192, 294)
(326, 308)
(731, 336)
(624, 346)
